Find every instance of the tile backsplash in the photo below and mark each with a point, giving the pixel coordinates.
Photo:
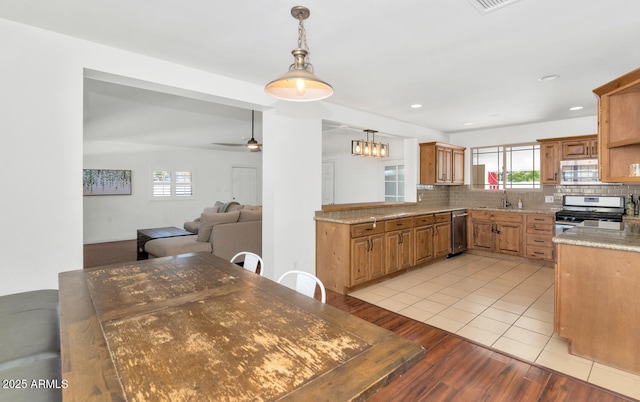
(463, 196)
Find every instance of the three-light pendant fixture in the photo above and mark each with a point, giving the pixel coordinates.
(371, 148)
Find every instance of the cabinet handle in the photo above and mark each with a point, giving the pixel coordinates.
(555, 176)
(538, 241)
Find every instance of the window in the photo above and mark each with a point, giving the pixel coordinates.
(168, 184)
(394, 183)
(506, 167)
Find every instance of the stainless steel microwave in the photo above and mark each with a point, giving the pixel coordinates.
(580, 171)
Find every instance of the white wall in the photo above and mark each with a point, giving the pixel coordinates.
(292, 182)
(41, 76)
(359, 179)
(111, 218)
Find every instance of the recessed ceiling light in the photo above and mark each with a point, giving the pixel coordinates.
(549, 77)
(576, 108)
(467, 124)
(416, 106)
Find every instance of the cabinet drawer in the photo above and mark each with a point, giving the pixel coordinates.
(539, 252)
(365, 229)
(481, 215)
(541, 229)
(397, 224)
(543, 219)
(514, 217)
(443, 217)
(539, 241)
(423, 220)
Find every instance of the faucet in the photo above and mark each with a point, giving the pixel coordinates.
(505, 203)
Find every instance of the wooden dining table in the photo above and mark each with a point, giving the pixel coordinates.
(198, 328)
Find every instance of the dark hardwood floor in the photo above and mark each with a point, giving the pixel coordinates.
(453, 369)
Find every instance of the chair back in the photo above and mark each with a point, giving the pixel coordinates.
(306, 284)
(251, 261)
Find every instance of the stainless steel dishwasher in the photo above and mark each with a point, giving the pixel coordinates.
(458, 231)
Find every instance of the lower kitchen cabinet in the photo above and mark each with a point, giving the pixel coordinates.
(540, 229)
(367, 258)
(423, 239)
(442, 235)
(500, 232)
(349, 255)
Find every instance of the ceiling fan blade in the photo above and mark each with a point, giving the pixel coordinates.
(228, 145)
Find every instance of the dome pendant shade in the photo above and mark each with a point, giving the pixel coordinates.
(299, 84)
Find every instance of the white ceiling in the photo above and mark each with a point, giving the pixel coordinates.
(382, 56)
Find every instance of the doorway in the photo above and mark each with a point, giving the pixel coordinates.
(244, 183)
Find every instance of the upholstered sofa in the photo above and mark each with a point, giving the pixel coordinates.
(224, 230)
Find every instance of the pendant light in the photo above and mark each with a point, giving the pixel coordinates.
(368, 148)
(299, 84)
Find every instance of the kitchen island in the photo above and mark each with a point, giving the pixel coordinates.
(596, 303)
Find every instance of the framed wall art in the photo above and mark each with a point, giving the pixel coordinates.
(106, 182)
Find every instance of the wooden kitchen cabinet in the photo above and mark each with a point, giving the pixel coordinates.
(549, 162)
(553, 150)
(350, 255)
(367, 253)
(398, 245)
(508, 233)
(540, 229)
(423, 238)
(582, 148)
(596, 304)
(441, 163)
(619, 127)
(497, 231)
(442, 235)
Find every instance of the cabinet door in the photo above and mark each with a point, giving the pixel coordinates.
(376, 256)
(442, 239)
(482, 234)
(549, 163)
(359, 260)
(457, 168)
(593, 148)
(509, 238)
(406, 249)
(444, 158)
(578, 149)
(423, 243)
(393, 251)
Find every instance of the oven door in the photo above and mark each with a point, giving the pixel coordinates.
(562, 227)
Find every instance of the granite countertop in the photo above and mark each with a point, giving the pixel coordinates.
(357, 216)
(625, 237)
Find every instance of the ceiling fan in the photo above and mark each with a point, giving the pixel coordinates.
(252, 145)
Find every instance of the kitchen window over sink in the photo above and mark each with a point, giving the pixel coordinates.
(506, 167)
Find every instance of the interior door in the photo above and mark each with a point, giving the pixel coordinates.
(244, 185)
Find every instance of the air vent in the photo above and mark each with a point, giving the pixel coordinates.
(486, 6)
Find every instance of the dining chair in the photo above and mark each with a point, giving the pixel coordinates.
(251, 262)
(306, 284)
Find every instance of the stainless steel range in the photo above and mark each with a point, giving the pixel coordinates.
(579, 208)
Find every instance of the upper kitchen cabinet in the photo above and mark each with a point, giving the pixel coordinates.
(554, 150)
(441, 163)
(619, 127)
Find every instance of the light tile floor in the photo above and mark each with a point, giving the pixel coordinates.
(503, 304)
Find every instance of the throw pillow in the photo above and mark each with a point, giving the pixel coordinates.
(253, 207)
(228, 206)
(249, 215)
(208, 221)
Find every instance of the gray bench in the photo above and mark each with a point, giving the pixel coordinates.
(30, 367)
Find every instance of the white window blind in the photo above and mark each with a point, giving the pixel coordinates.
(167, 184)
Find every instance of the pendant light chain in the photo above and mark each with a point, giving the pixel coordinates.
(302, 36)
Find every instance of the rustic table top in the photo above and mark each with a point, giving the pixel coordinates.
(196, 327)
